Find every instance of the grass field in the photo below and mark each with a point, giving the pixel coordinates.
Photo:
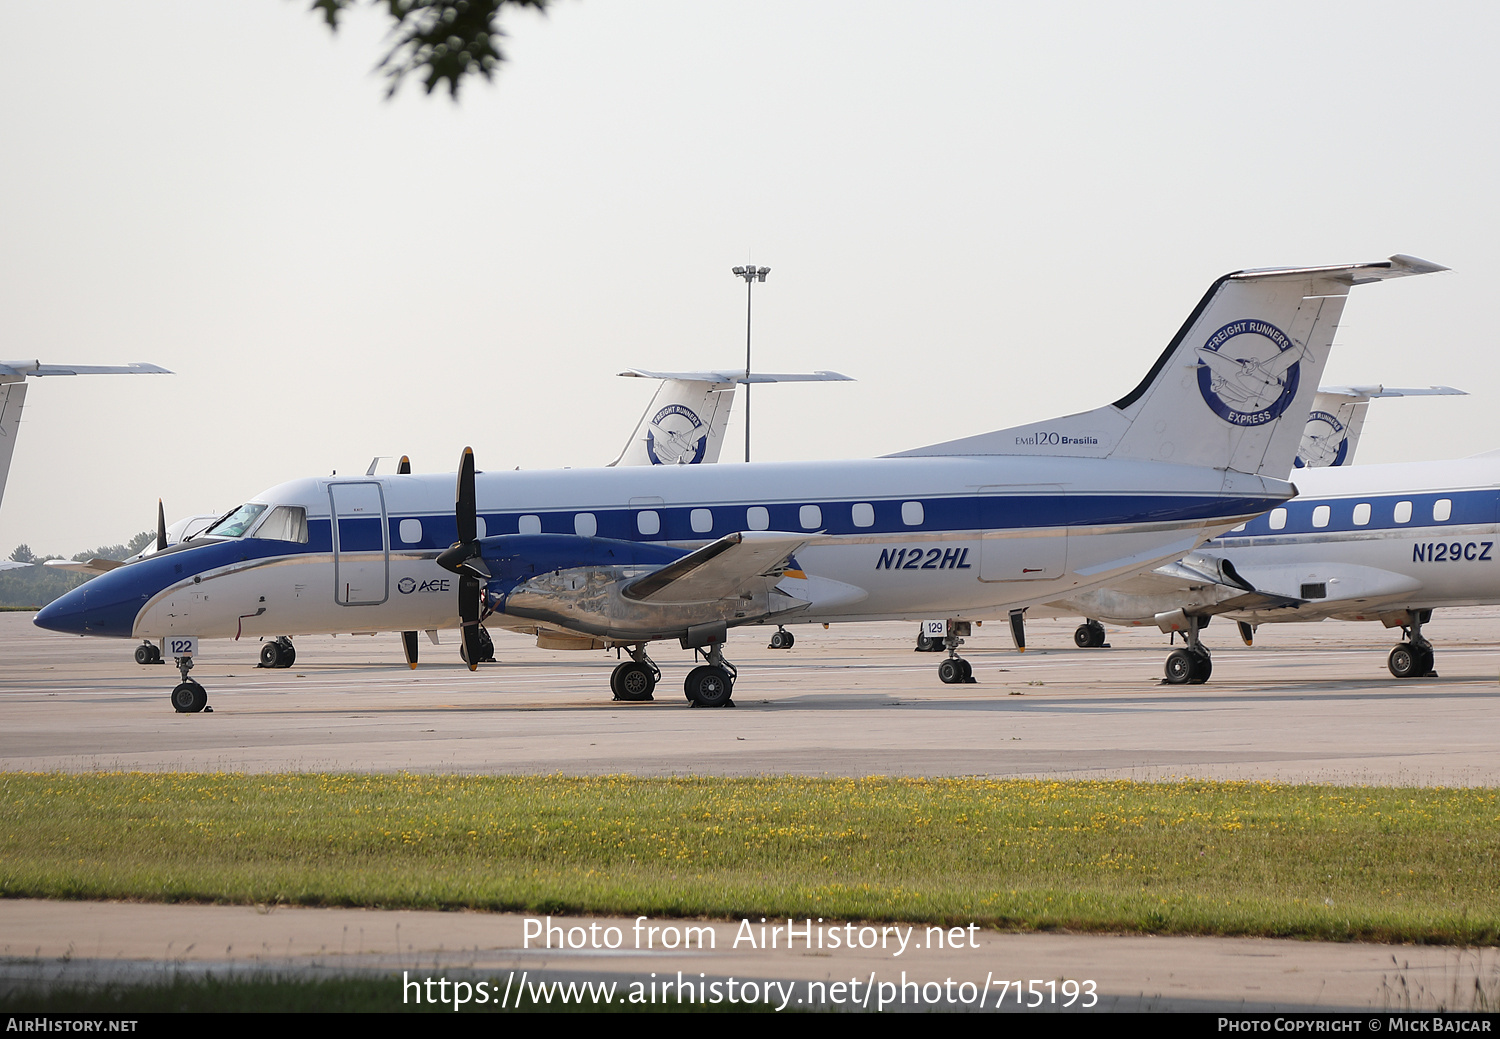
(1188, 858)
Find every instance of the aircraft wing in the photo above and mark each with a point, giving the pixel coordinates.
(93, 567)
(11, 564)
(717, 570)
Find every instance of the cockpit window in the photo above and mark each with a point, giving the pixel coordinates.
(285, 523)
(237, 522)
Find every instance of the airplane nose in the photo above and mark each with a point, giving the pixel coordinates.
(97, 607)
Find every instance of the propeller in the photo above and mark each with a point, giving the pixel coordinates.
(1018, 629)
(408, 638)
(463, 558)
(161, 526)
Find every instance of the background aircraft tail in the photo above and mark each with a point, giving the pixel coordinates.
(684, 423)
(1338, 417)
(1234, 388)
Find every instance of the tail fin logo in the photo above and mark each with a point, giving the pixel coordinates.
(1248, 372)
(1325, 442)
(676, 437)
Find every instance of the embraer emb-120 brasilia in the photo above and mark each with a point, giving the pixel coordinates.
(619, 558)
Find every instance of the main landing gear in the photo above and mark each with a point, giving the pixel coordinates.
(1191, 665)
(148, 653)
(188, 697)
(486, 647)
(711, 684)
(955, 670)
(782, 639)
(1413, 657)
(1090, 635)
(635, 679)
(279, 653)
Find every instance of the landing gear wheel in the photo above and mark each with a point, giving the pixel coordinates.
(1406, 661)
(1088, 636)
(955, 671)
(632, 682)
(782, 639)
(288, 655)
(270, 655)
(486, 646)
(1179, 667)
(927, 644)
(1184, 667)
(146, 653)
(709, 686)
(1424, 666)
(189, 698)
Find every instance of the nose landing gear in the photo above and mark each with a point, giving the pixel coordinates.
(188, 697)
(955, 670)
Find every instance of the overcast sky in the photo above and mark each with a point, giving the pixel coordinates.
(986, 213)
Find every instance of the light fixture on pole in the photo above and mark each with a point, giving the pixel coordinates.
(751, 274)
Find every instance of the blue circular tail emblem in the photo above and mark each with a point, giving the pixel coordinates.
(1248, 372)
(676, 436)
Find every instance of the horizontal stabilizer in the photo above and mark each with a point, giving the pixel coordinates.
(717, 570)
(729, 376)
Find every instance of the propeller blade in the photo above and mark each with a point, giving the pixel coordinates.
(161, 526)
(409, 643)
(468, 612)
(464, 510)
(1018, 629)
(403, 467)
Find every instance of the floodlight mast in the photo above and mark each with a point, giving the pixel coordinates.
(751, 274)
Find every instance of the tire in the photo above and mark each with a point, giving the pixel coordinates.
(1424, 665)
(1405, 662)
(778, 640)
(143, 654)
(189, 698)
(788, 640)
(1180, 669)
(951, 671)
(486, 646)
(968, 670)
(288, 655)
(632, 682)
(1203, 667)
(270, 655)
(708, 686)
(1083, 637)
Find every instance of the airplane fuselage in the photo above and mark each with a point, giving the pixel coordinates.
(896, 538)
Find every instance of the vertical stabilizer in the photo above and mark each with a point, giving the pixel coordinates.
(1232, 390)
(1338, 417)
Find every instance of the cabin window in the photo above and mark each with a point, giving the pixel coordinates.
(584, 525)
(286, 523)
(410, 531)
(810, 516)
(530, 525)
(702, 521)
(1442, 509)
(1362, 514)
(758, 517)
(237, 522)
(648, 522)
(912, 513)
(1278, 519)
(1403, 511)
(864, 515)
(1320, 519)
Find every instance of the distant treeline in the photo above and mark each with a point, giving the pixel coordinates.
(37, 585)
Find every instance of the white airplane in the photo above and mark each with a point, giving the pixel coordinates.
(619, 558)
(1338, 417)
